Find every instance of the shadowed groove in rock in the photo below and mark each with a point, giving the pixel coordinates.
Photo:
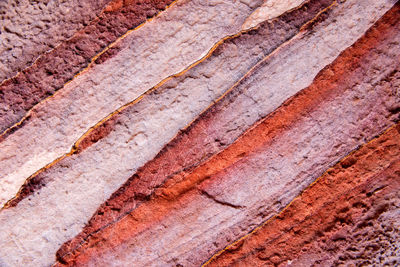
(349, 63)
(52, 70)
(244, 40)
(328, 211)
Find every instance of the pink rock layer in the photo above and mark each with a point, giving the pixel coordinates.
(181, 188)
(52, 70)
(349, 216)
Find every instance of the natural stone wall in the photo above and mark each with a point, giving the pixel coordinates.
(54, 69)
(61, 120)
(32, 28)
(189, 132)
(349, 216)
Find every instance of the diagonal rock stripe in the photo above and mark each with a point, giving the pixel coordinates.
(221, 132)
(61, 120)
(349, 200)
(195, 218)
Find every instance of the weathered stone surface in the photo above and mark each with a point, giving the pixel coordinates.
(246, 48)
(31, 28)
(269, 10)
(349, 216)
(188, 133)
(53, 69)
(58, 123)
(208, 134)
(200, 211)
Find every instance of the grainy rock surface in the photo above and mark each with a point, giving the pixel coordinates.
(223, 195)
(59, 122)
(268, 10)
(31, 28)
(348, 217)
(52, 70)
(187, 133)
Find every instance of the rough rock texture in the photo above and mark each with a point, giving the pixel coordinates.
(52, 70)
(242, 46)
(223, 195)
(269, 10)
(31, 28)
(59, 122)
(349, 216)
(190, 141)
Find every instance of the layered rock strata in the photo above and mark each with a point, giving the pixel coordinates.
(53, 69)
(236, 190)
(349, 216)
(55, 125)
(31, 28)
(218, 132)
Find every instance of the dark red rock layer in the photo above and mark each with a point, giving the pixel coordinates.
(348, 217)
(32, 28)
(202, 139)
(204, 134)
(52, 70)
(333, 81)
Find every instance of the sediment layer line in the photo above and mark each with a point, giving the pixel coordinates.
(335, 209)
(260, 161)
(54, 127)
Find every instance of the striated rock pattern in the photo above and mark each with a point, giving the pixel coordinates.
(191, 132)
(348, 217)
(31, 28)
(55, 68)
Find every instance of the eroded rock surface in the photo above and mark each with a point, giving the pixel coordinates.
(349, 216)
(52, 70)
(59, 122)
(31, 28)
(223, 133)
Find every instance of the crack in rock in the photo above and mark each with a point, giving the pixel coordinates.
(224, 203)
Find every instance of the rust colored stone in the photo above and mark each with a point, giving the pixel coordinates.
(179, 183)
(52, 70)
(94, 135)
(338, 220)
(195, 144)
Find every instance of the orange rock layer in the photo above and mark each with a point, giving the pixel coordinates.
(216, 160)
(349, 216)
(153, 204)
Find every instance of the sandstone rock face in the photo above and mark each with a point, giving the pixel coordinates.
(54, 69)
(269, 10)
(31, 28)
(190, 132)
